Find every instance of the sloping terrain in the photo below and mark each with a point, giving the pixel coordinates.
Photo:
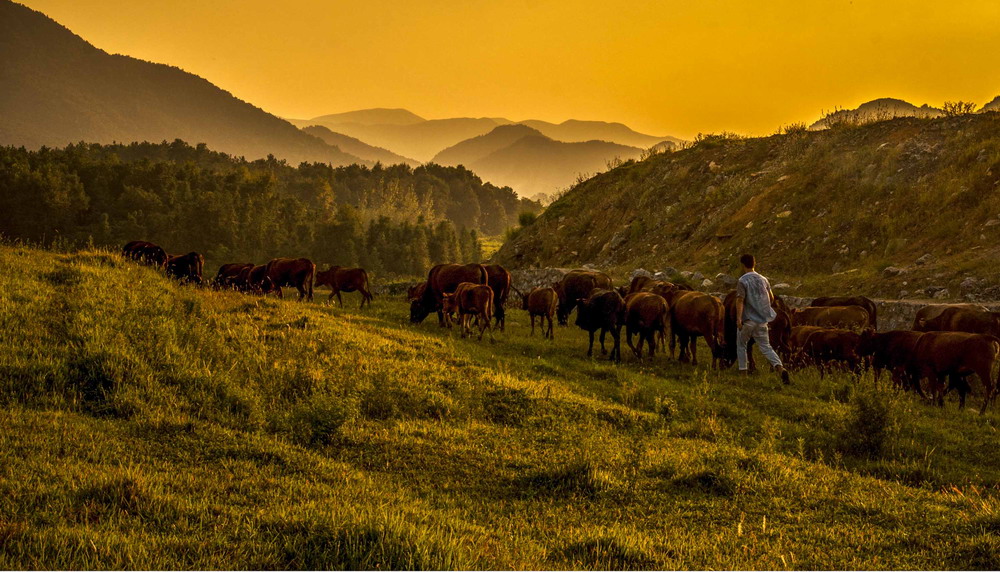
(58, 89)
(575, 130)
(850, 202)
(877, 110)
(359, 148)
(150, 426)
(472, 150)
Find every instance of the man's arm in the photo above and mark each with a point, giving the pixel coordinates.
(741, 293)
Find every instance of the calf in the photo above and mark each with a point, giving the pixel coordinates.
(955, 355)
(603, 310)
(796, 342)
(541, 302)
(891, 350)
(471, 300)
(341, 279)
(645, 314)
(829, 348)
(228, 273)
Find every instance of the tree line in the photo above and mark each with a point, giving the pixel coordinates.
(394, 219)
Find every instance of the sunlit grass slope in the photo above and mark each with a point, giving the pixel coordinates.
(146, 425)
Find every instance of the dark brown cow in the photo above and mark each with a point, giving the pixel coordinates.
(499, 280)
(955, 319)
(778, 331)
(186, 267)
(932, 311)
(443, 279)
(955, 355)
(255, 281)
(541, 302)
(295, 272)
(416, 291)
(862, 301)
(145, 253)
(828, 348)
(847, 317)
(602, 310)
(341, 279)
(228, 273)
(646, 314)
(796, 342)
(694, 314)
(891, 350)
(471, 301)
(576, 285)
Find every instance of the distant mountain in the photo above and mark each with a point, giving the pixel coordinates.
(376, 116)
(359, 148)
(877, 110)
(472, 150)
(404, 132)
(57, 89)
(574, 130)
(993, 105)
(534, 164)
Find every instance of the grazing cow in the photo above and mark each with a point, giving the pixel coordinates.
(295, 272)
(932, 311)
(778, 331)
(576, 285)
(541, 302)
(891, 351)
(646, 314)
(416, 291)
(603, 310)
(955, 355)
(955, 319)
(865, 303)
(847, 317)
(256, 281)
(145, 253)
(228, 274)
(443, 279)
(470, 300)
(827, 348)
(694, 314)
(499, 280)
(796, 343)
(186, 267)
(341, 279)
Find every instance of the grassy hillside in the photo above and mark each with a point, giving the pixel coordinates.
(151, 426)
(848, 201)
(58, 89)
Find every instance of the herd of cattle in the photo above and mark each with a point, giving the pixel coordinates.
(947, 344)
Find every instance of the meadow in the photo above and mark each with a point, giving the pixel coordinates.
(149, 425)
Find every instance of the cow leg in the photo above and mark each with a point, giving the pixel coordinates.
(694, 349)
(332, 294)
(616, 352)
(590, 349)
(552, 335)
(628, 340)
(604, 351)
(339, 299)
(532, 318)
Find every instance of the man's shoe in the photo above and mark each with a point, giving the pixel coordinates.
(784, 375)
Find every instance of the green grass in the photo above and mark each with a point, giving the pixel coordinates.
(147, 425)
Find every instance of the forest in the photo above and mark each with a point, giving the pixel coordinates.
(394, 219)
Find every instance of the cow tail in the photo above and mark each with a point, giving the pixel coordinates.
(368, 285)
(484, 278)
(311, 278)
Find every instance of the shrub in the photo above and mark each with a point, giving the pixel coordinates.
(527, 218)
(871, 425)
(318, 421)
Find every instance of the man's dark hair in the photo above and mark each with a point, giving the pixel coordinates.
(748, 261)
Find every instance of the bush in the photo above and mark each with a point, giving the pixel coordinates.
(527, 218)
(871, 425)
(318, 421)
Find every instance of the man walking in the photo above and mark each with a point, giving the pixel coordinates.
(753, 312)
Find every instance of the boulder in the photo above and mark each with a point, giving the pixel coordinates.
(725, 279)
(891, 271)
(639, 272)
(781, 286)
(926, 259)
(706, 283)
(697, 277)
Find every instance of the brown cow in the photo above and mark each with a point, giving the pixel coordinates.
(416, 291)
(341, 279)
(228, 273)
(576, 285)
(499, 280)
(847, 317)
(955, 319)
(541, 302)
(145, 253)
(602, 310)
(932, 311)
(470, 300)
(646, 314)
(955, 355)
(640, 283)
(778, 331)
(891, 350)
(255, 281)
(186, 267)
(828, 348)
(694, 314)
(662, 287)
(796, 341)
(295, 272)
(862, 301)
(443, 279)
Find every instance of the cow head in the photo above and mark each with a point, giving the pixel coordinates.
(583, 311)
(418, 311)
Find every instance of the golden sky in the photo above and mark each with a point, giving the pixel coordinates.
(663, 67)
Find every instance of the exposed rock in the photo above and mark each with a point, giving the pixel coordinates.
(667, 274)
(639, 272)
(589, 267)
(726, 280)
(686, 274)
(904, 293)
(781, 286)
(706, 283)
(969, 283)
(617, 240)
(992, 222)
(784, 214)
(713, 166)
(941, 294)
(926, 259)
(697, 277)
(891, 271)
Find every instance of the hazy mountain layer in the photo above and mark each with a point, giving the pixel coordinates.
(359, 148)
